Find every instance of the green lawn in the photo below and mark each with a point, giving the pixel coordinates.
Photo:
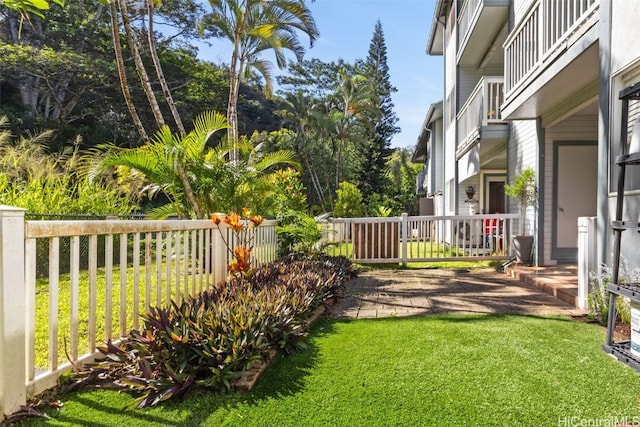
(64, 307)
(472, 370)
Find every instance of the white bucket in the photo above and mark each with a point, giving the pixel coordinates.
(635, 328)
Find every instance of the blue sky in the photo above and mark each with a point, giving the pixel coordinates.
(346, 28)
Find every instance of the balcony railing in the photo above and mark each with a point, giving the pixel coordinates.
(481, 109)
(535, 40)
(466, 15)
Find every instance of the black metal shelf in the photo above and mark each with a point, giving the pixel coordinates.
(628, 159)
(625, 225)
(629, 290)
(622, 351)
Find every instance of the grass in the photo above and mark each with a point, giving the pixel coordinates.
(422, 249)
(64, 308)
(480, 370)
(42, 303)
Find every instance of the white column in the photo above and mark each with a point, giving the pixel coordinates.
(586, 257)
(12, 310)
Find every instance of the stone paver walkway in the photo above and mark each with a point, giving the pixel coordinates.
(398, 293)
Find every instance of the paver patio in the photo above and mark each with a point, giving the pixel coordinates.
(397, 293)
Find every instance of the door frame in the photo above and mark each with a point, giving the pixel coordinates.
(488, 177)
(562, 255)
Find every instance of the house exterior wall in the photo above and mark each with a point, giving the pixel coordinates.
(468, 78)
(522, 151)
(439, 163)
(625, 71)
(450, 111)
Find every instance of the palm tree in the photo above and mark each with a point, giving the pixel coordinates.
(122, 75)
(151, 39)
(353, 98)
(137, 60)
(254, 26)
(298, 110)
(219, 185)
(247, 180)
(169, 161)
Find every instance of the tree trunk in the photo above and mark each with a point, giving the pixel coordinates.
(124, 85)
(137, 59)
(232, 107)
(315, 181)
(163, 81)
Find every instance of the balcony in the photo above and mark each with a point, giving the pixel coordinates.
(550, 56)
(480, 117)
(479, 23)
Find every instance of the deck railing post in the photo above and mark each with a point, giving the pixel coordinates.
(12, 310)
(404, 230)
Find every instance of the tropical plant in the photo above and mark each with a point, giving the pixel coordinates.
(399, 194)
(26, 7)
(254, 26)
(287, 195)
(122, 75)
(301, 232)
(170, 160)
(40, 182)
(173, 164)
(214, 338)
(524, 191)
(242, 239)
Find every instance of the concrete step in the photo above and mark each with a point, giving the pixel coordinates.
(561, 282)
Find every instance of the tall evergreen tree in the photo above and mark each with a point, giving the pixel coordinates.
(382, 126)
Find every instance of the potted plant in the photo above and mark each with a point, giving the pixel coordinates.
(523, 190)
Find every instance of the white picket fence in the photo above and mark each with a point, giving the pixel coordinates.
(407, 238)
(98, 298)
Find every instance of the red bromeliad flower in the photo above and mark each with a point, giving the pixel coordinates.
(234, 222)
(256, 220)
(242, 255)
(240, 225)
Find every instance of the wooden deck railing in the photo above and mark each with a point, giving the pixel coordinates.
(406, 238)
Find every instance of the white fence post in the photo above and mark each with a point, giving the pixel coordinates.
(586, 257)
(405, 237)
(12, 310)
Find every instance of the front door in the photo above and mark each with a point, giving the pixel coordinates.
(576, 178)
(494, 201)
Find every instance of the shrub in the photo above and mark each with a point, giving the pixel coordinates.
(215, 337)
(598, 298)
(348, 201)
(299, 232)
